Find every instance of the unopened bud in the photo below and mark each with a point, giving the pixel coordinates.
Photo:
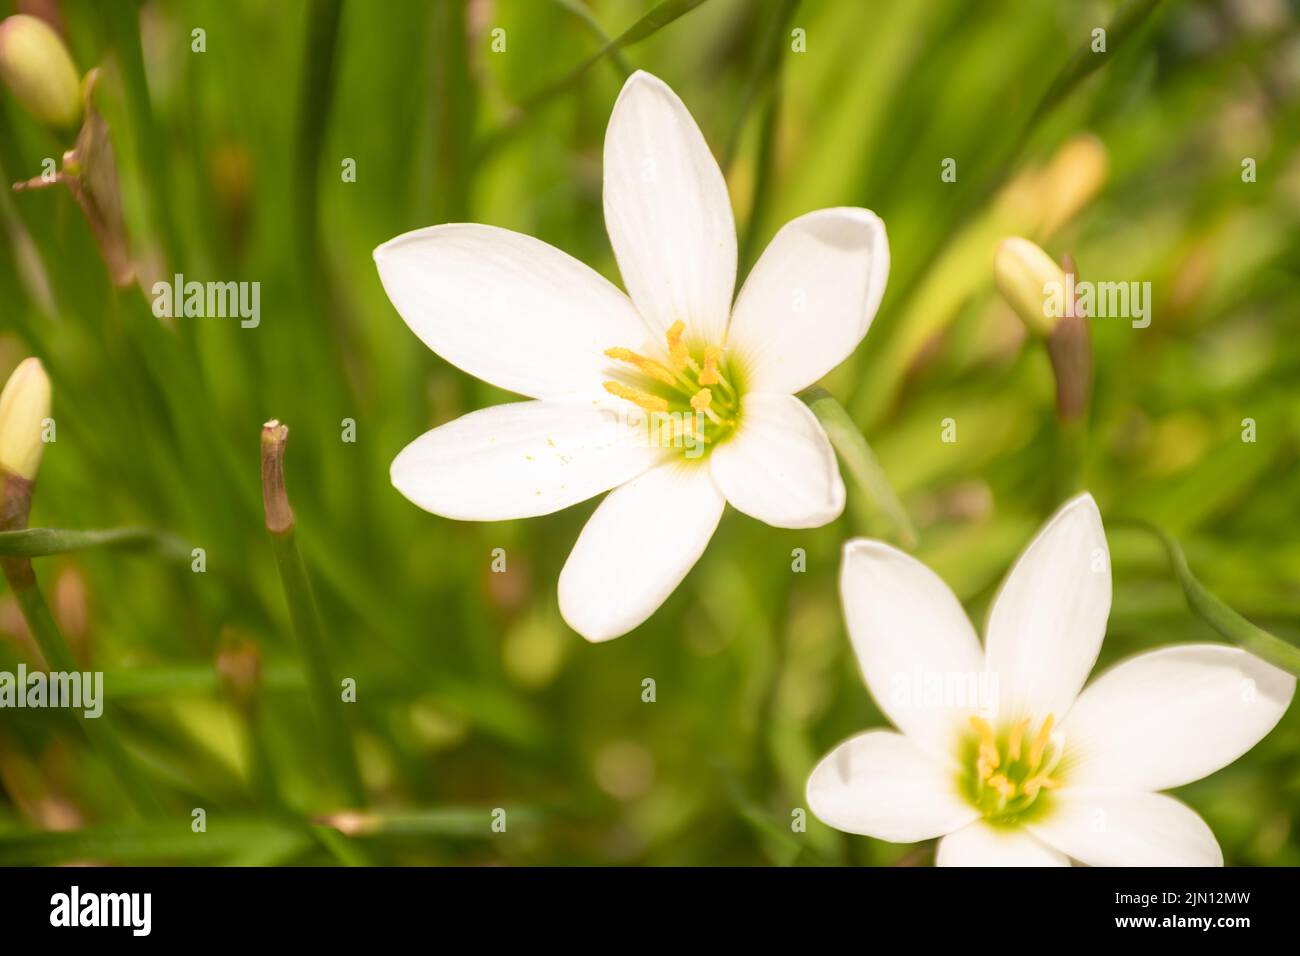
(24, 407)
(1070, 349)
(1030, 280)
(38, 70)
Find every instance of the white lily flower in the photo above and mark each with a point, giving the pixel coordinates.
(1043, 770)
(703, 392)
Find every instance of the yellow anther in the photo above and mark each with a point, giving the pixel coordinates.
(676, 347)
(649, 366)
(701, 400)
(1040, 742)
(988, 743)
(1039, 782)
(709, 374)
(985, 771)
(1002, 785)
(1013, 741)
(651, 403)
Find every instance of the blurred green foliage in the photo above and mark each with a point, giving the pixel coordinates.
(472, 694)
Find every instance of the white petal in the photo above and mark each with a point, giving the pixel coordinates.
(1126, 828)
(915, 645)
(779, 467)
(810, 298)
(979, 844)
(520, 460)
(1171, 716)
(1049, 619)
(882, 785)
(667, 211)
(508, 308)
(637, 547)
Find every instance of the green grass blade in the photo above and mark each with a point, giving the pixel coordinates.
(861, 462)
(654, 21)
(1214, 612)
(154, 842)
(39, 542)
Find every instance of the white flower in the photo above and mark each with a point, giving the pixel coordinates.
(673, 397)
(1049, 773)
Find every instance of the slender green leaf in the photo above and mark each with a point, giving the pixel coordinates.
(154, 842)
(37, 542)
(861, 462)
(448, 821)
(654, 21)
(1216, 613)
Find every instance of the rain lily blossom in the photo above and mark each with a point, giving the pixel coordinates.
(1043, 770)
(670, 395)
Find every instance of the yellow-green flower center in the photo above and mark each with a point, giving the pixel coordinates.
(1008, 772)
(693, 398)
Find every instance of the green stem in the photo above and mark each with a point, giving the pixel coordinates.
(579, 9)
(123, 21)
(861, 462)
(58, 657)
(325, 690)
(38, 542)
(456, 821)
(1071, 457)
(761, 196)
(1227, 622)
(160, 841)
(764, 72)
(655, 20)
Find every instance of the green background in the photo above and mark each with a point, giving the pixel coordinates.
(472, 693)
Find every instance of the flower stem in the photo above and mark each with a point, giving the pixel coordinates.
(861, 462)
(37, 542)
(453, 821)
(58, 656)
(1216, 613)
(302, 611)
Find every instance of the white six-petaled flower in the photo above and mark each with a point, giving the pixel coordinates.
(670, 395)
(1046, 770)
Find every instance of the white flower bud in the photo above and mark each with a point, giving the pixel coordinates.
(24, 407)
(1030, 280)
(38, 70)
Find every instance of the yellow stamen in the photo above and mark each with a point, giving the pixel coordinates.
(709, 375)
(651, 403)
(1040, 742)
(1039, 782)
(701, 400)
(1002, 785)
(988, 743)
(676, 347)
(1013, 741)
(649, 366)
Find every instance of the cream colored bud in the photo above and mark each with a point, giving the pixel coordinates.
(39, 71)
(1031, 282)
(24, 408)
